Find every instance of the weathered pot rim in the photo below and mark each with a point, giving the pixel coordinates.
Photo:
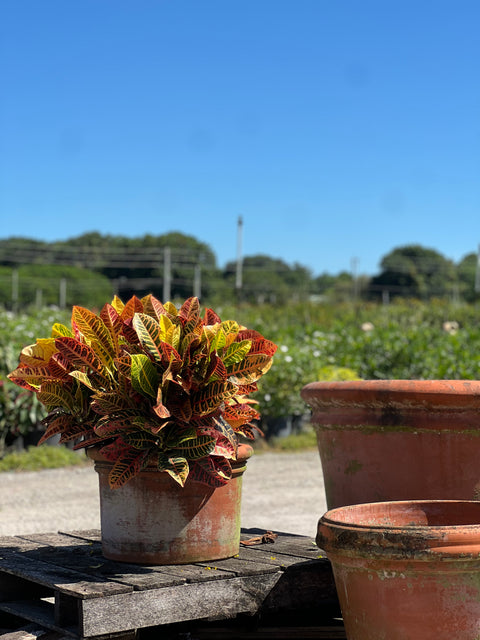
(410, 393)
(411, 528)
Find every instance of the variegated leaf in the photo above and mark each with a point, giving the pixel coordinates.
(53, 394)
(238, 414)
(131, 307)
(127, 466)
(108, 402)
(60, 423)
(113, 322)
(214, 472)
(210, 317)
(259, 343)
(195, 448)
(216, 369)
(60, 330)
(144, 376)
(80, 355)
(171, 309)
(117, 304)
(118, 421)
(140, 439)
(32, 377)
(124, 365)
(95, 332)
(153, 307)
(250, 369)
(38, 354)
(225, 449)
(76, 431)
(82, 377)
(176, 466)
(225, 429)
(166, 327)
(211, 397)
(219, 340)
(249, 431)
(159, 408)
(148, 332)
(236, 352)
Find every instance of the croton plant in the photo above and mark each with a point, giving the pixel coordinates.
(151, 385)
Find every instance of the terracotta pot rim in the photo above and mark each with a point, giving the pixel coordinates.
(353, 529)
(448, 394)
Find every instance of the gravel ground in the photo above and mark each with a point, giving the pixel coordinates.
(281, 491)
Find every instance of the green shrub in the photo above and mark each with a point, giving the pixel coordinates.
(38, 458)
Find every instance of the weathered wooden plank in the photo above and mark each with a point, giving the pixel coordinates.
(66, 581)
(85, 556)
(300, 546)
(222, 598)
(26, 632)
(245, 564)
(94, 535)
(40, 612)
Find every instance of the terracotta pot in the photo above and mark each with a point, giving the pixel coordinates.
(397, 439)
(153, 520)
(406, 570)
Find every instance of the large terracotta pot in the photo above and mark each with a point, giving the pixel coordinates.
(397, 439)
(153, 520)
(406, 570)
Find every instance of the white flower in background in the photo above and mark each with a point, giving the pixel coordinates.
(284, 348)
(288, 358)
(451, 327)
(367, 326)
(267, 397)
(316, 353)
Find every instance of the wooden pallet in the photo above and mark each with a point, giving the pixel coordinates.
(62, 582)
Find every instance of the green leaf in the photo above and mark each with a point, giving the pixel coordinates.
(236, 352)
(144, 375)
(60, 330)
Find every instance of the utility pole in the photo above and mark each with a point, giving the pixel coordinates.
(62, 293)
(197, 281)
(167, 273)
(15, 290)
(477, 272)
(239, 275)
(354, 264)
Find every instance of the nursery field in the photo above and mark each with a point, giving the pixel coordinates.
(407, 339)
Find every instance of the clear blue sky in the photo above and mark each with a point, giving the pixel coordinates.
(338, 129)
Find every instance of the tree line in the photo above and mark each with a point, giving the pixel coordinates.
(90, 268)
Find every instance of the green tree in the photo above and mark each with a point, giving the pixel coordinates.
(43, 284)
(416, 272)
(467, 273)
(266, 279)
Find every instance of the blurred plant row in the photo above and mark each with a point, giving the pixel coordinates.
(402, 340)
